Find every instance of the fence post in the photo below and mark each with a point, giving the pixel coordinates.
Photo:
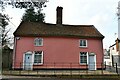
(112, 61)
(71, 69)
(37, 71)
(62, 68)
(105, 65)
(116, 69)
(54, 68)
(102, 67)
(10, 68)
(20, 69)
(86, 68)
(29, 67)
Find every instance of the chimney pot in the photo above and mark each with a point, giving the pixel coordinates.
(59, 15)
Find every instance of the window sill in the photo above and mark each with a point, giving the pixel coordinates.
(38, 46)
(84, 64)
(38, 64)
(82, 46)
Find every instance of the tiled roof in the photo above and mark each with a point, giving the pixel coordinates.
(115, 42)
(46, 29)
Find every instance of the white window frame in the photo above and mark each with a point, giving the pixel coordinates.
(80, 59)
(36, 42)
(41, 59)
(85, 41)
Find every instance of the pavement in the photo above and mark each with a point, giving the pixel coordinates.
(34, 75)
(9, 77)
(35, 78)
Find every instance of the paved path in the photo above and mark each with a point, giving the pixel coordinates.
(49, 78)
(35, 78)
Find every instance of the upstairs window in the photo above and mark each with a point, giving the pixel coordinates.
(38, 57)
(83, 43)
(38, 42)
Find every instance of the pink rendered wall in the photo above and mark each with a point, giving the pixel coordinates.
(58, 50)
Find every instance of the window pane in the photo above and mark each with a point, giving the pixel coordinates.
(35, 42)
(83, 57)
(38, 57)
(80, 42)
(83, 43)
(38, 41)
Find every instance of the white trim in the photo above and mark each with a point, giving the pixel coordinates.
(95, 62)
(18, 38)
(87, 57)
(42, 58)
(86, 43)
(33, 59)
(23, 61)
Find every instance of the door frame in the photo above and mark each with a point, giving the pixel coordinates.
(92, 54)
(28, 52)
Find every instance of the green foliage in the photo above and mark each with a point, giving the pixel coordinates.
(5, 37)
(31, 15)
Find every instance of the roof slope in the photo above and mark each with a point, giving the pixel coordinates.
(46, 29)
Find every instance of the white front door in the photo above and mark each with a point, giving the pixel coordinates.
(92, 62)
(28, 61)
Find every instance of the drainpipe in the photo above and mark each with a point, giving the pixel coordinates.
(102, 51)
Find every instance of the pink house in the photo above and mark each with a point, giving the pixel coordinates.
(40, 45)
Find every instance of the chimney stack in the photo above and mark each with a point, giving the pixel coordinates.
(59, 15)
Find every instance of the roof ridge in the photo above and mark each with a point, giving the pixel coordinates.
(71, 25)
(61, 24)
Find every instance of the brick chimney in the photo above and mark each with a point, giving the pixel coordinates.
(59, 15)
(117, 44)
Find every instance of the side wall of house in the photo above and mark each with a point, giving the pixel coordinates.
(114, 55)
(58, 50)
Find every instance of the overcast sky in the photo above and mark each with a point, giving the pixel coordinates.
(100, 13)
